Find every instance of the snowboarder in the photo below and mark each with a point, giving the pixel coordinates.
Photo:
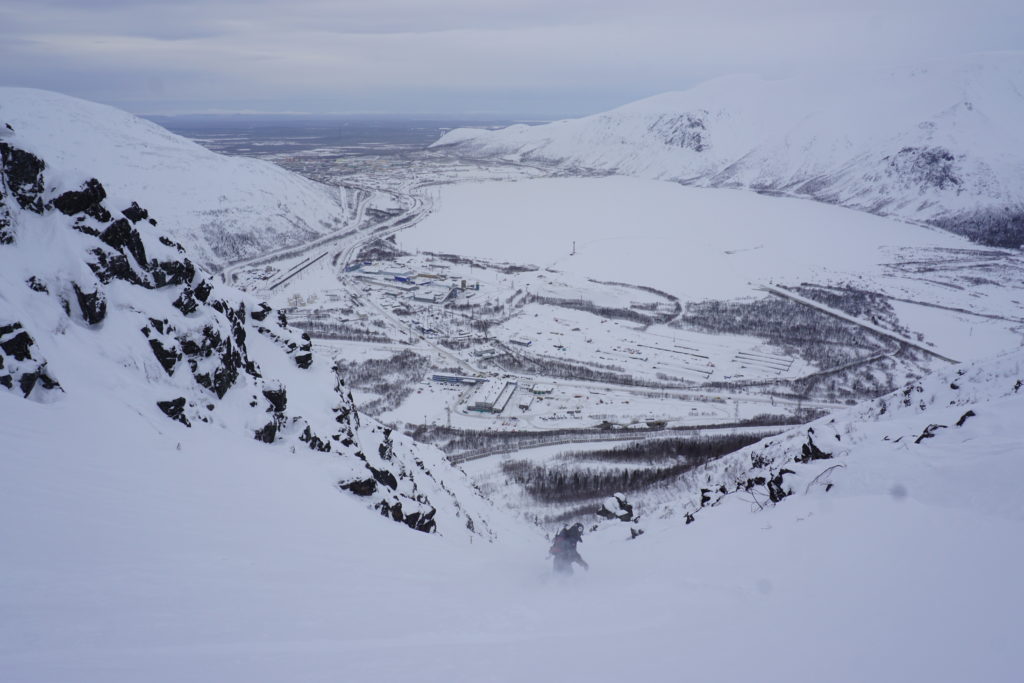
(564, 549)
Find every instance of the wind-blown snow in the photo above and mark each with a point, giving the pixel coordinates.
(938, 143)
(221, 208)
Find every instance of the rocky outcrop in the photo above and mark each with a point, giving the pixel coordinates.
(616, 507)
(22, 366)
(194, 355)
(23, 177)
(175, 409)
(86, 201)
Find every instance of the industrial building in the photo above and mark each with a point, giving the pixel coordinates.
(493, 397)
(456, 379)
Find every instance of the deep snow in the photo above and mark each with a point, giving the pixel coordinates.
(215, 563)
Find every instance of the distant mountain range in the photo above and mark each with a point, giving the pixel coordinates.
(940, 144)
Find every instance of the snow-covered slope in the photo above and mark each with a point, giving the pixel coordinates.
(126, 563)
(954, 440)
(221, 208)
(105, 314)
(939, 143)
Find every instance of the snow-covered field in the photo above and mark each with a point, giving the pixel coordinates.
(703, 243)
(695, 243)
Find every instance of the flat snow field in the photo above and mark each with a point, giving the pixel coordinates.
(695, 243)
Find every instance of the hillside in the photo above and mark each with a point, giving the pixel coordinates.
(104, 315)
(221, 208)
(938, 143)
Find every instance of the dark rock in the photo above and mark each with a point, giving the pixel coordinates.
(360, 487)
(109, 266)
(928, 432)
(634, 532)
(24, 173)
(172, 272)
(224, 376)
(810, 452)
(203, 290)
(168, 242)
(616, 507)
(268, 433)
(168, 357)
(278, 399)
(135, 213)
(421, 521)
(92, 304)
(81, 227)
(121, 235)
(186, 302)
(37, 285)
(963, 418)
(384, 477)
(313, 441)
(416, 520)
(775, 490)
(87, 201)
(28, 381)
(175, 409)
(261, 314)
(304, 361)
(19, 346)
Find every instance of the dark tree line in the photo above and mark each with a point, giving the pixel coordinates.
(568, 483)
(700, 448)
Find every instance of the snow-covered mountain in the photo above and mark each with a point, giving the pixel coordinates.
(940, 143)
(104, 312)
(221, 208)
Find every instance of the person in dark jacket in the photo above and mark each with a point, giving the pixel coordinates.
(564, 549)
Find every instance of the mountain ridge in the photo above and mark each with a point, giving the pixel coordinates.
(933, 144)
(223, 209)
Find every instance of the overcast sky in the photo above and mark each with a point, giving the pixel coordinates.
(515, 57)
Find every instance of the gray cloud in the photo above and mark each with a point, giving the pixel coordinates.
(570, 56)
